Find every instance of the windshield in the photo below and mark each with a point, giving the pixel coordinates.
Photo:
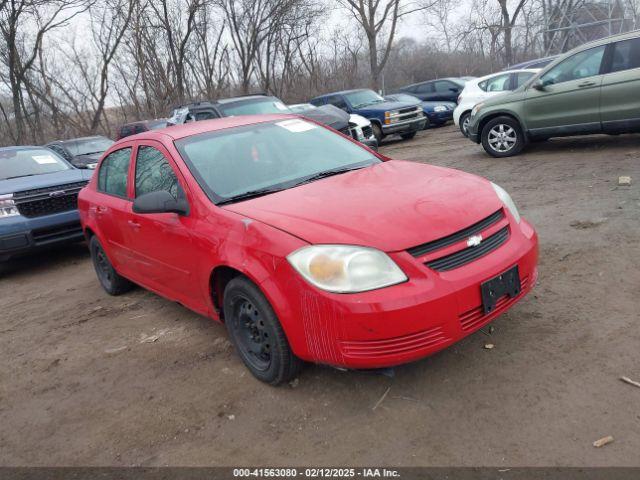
(88, 145)
(254, 107)
(27, 162)
(362, 98)
(271, 155)
(301, 107)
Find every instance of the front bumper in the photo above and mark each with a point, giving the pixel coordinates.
(408, 126)
(372, 143)
(20, 235)
(440, 117)
(472, 130)
(409, 321)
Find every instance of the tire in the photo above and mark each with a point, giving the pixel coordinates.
(377, 132)
(463, 123)
(111, 281)
(427, 123)
(502, 137)
(257, 334)
(408, 136)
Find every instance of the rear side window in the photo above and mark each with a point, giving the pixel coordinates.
(443, 86)
(112, 177)
(153, 173)
(626, 55)
(522, 78)
(424, 88)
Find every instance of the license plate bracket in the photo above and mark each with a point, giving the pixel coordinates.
(507, 283)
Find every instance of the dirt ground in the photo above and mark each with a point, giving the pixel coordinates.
(88, 379)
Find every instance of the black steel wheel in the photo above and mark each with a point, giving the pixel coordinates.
(257, 334)
(111, 281)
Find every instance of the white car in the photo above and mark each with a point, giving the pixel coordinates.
(482, 88)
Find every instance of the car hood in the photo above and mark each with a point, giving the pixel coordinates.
(87, 159)
(384, 106)
(329, 115)
(45, 180)
(506, 97)
(391, 206)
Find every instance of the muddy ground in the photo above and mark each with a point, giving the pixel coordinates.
(88, 379)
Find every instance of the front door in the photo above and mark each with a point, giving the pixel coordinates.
(569, 102)
(163, 247)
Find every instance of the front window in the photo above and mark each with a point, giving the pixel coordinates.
(581, 65)
(29, 162)
(114, 170)
(265, 157)
(153, 173)
(88, 146)
(363, 98)
(253, 107)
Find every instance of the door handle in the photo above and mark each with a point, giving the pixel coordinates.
(586, 84)
(133, 224)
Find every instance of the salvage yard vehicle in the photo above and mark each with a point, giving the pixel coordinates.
(386, 117)
(485, 87)
(591, 89)
(442, 89)
(308, 246)
(134, 128)
(437, 113)
(81, 152)
(38, 200)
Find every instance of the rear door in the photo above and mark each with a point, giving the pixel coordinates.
(570, 101)
(112, 206)
(620, 93)
(446, 91)
(161, 243)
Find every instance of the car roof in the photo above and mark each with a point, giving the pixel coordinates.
(92, 137)
(223, 101)
(176, 132)
(342, 92)
(478, 80)
(452, 79)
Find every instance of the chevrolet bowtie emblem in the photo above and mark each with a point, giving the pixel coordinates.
(57, 193)
(474, 241)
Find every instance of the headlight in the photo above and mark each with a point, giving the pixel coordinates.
(476, 108)
(440, 108)
(8, 206)
(346, 268)
(507, 200)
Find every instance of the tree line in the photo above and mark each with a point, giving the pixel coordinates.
(82, 67)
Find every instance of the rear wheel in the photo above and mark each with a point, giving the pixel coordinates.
(377, 132)
(408, 136)
(112, 283)
(257, 334)
(463, 123)
(502, 137)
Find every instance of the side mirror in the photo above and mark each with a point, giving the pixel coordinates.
(160, 202)
(454, 90)
(541, 85)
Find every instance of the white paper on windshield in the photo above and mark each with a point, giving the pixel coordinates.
(44, 159)
(280, 106)
(296, 125)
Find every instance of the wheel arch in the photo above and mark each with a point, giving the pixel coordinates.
(490, 116)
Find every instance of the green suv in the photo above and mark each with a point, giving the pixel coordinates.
(591, 89)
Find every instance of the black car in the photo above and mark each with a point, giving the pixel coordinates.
(442, 89)
(133, 128)
(81, 152)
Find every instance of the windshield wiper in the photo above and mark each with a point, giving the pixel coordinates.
(251, 194)
(20, 176)
(329, 173)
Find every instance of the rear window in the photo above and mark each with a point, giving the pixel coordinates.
(29, 162)
(254, 107)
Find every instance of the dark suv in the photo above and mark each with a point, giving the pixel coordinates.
(38, 200)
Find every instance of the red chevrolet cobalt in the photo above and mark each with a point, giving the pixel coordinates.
(307, 245)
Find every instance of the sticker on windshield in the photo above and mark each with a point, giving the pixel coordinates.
(296, 125)
(281, 106)
(44, 159)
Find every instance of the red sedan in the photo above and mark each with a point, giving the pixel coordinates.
(307, 245)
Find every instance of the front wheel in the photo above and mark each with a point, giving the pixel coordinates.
(408, 136)
(377, 132)
(463, 123)
(502, 137)
(257, 334)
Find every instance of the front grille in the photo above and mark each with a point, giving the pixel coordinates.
(470, 254)
(407, 110)
(458, 236)
(367, 131)
(476, 318)
(45, 201)
(345, 131)
(394, 346)
(42, 236)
